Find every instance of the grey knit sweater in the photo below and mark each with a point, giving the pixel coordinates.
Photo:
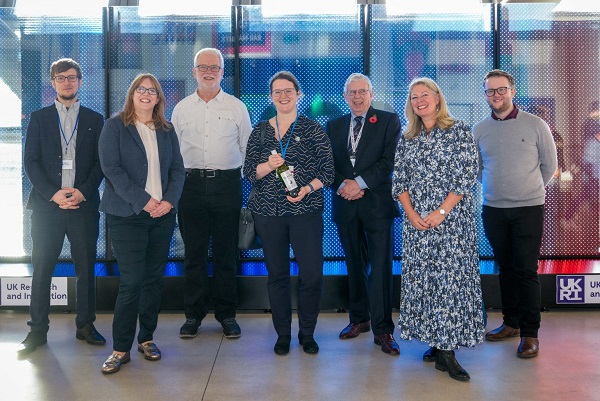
(517, 158)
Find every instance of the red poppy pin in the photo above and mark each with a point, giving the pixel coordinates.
(373, 119)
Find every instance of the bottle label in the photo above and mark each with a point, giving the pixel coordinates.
(288, 179)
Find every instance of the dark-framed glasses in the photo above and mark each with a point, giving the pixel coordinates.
(61, 78)
(212, 68)
(501, 91)
(279, 92)
(360, 92)
(151, 91)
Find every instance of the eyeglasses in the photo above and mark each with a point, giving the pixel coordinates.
(212, 68)
(501, 91)
(151, 91)
(70, 78)
(360, 92)
(279, 92)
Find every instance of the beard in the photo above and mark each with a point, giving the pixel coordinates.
(68, 97)
(503, 107)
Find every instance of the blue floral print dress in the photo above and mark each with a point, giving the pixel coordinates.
(440, 297)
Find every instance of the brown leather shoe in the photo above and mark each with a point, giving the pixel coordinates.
(388, 344)
(502, 333)
(354, 329)
(528, 348)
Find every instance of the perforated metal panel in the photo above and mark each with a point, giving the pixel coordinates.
(554, 57)
(29, 46)
(321, 52)
(453, 50)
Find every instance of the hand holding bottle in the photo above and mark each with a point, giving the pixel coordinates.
(286, 175)
(275, 160)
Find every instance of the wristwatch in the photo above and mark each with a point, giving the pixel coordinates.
(442, 211)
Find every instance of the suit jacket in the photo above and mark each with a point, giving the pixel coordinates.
(374, 163)
(43, 158)
(125, 165)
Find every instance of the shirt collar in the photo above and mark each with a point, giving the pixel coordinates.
(513, 114)
(61, 107)
(364, 116)
(220, 96)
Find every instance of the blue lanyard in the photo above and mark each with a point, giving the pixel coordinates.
(63, 132)
(284, 151)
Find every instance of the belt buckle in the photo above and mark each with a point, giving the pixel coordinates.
(210, 173)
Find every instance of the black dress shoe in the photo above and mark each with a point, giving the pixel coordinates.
(387, 344)
(354, 329)
(90, 335)
(282, 346)
(446, 362)
(308, 343)
(33, 340)
(429, 355)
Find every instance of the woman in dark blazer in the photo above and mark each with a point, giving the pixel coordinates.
(140, 158)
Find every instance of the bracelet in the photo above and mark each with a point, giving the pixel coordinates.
(312, 189)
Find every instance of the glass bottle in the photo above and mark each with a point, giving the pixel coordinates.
(286, 174)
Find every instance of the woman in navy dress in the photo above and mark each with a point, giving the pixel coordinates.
(434, 173)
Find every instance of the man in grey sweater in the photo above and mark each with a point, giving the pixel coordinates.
(517, 159)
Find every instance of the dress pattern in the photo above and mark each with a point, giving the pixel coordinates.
(440, 301)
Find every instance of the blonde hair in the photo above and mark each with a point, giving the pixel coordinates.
(415, 123)
(128, 116)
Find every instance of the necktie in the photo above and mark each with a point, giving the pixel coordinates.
(355, 134)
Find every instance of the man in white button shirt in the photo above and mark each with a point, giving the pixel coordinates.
(213, 128)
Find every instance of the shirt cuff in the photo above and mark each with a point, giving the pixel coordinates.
(361, 183)
(342, 185)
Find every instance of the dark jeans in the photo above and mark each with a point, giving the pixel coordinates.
(141, 244)
(48, 230)
(365, 240)
(210, 209)
(305, 234)
(515, 235)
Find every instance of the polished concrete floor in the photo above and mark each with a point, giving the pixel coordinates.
(211, 367)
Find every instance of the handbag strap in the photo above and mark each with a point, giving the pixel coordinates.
(263, 133)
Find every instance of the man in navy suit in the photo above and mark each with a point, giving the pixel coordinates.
(61, 161)
(364, 143)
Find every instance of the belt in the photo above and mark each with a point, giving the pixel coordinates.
(207, 173)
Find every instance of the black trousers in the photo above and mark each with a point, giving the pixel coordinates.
(48, 230)
(371, 240)
(515, 235)
(305, 233)
(141, 244)
(210, 209)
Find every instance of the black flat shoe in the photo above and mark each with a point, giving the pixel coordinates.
(429, 355)
(308, 343)
(282, 346)
(446, 362)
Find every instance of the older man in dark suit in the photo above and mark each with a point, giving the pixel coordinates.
(363, 145)
(62, 163)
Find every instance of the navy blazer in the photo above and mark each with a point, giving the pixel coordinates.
(374, 163)
(125, 165)
(42, 158)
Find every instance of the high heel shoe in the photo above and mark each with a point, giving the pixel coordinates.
(446, 362)
(429, 355)
(282, 346)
